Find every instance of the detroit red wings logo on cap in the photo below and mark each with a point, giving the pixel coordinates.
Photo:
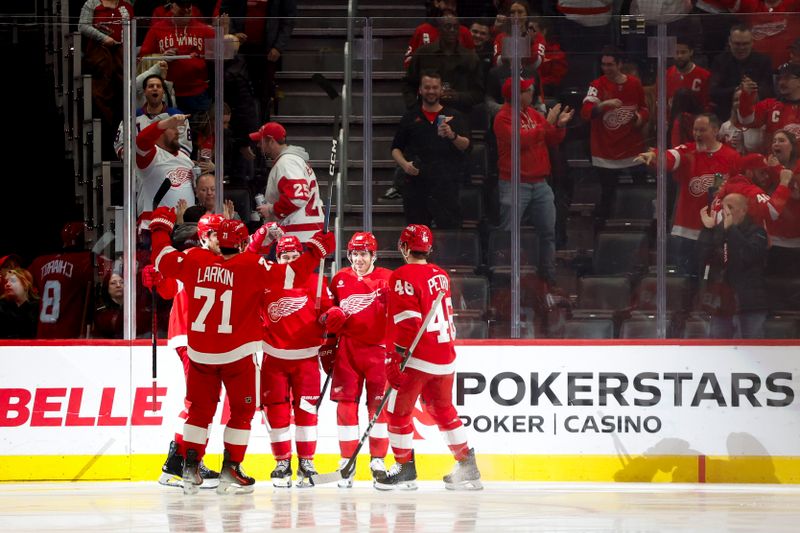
(285, 306)
(355, 303)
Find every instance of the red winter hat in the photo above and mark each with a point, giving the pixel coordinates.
(524, 85)
(270, 129)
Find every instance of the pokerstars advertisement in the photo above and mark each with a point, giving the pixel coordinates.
(513, 399)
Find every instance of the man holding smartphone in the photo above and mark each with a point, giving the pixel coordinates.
(429, 147)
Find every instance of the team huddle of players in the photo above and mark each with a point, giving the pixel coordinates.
(230, 304)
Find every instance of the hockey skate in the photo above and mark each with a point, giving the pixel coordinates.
(346, 483)
(401, 476)
(465, 475)
(304, 472)
(172, 471)
(232, 479)
(210, 477)
(282, 475)
(377, 467)
(191, 473)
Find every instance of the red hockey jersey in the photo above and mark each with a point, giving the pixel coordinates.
(64, 284)
(771, 113)
(363, 299)
(291, 326)
(695, 173)
(224, 296)
(426, 33)
(412, 291)
(761, 206)
(774, 28)
(537, 52)
(615, 138)
(696, 80)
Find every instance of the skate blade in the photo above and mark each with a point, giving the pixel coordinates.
(465, 485)
(345, 484)
(305, 483)
(232, 488)
(405, 485)
(170, 480)
(282, 483)
(190, 489)
(211, 483)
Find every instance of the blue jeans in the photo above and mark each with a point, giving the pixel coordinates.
(537, 208)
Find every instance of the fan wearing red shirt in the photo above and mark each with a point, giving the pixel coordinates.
(356, 360)
(224, 334)
(518, 14)
(775, 24)
(293, 332)
(428, 32)
(429, 373)
(685, 74)
(782, 113)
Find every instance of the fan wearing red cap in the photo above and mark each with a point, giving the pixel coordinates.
(292, 197)
(293, 333)
(429, 373)
(63, 281)
(224, 334)
(356, 350)
(537, 133)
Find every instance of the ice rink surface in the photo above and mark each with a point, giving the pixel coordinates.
(501, 507)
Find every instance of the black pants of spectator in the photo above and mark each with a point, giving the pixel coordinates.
(432, 198)
(783, 262)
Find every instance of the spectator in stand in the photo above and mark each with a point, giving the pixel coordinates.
(100, 24)
(264, 29)
(64, 282)
(695, 166)
(8, 262)
(766, 188)
(737, 66)
(481, 39)
(184, 36)
(554, 66)
(743, 139)
(734, 256)
(536, 200)
(239, 155)
(292, 192)
(108, 319)
(153, 65)
(429, 147)
(428, 31)
(685, 74)
(155, 108)
(615, 106)
(458, 67)
(206, 191)
(19, 305)
(585, 28)
(773, 113)
(204, 141)
(775, 24)
(519, 13)
(160, 161)
(784, 233)
(683, 110)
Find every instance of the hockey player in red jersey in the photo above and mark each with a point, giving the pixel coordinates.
(290, 372)
(224, 334)
(429, 372)
(356, 351)
(64, 281)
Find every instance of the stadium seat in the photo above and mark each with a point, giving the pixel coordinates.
(499, 253)
(780, 327)
(580, 233)
(608, 293)
(697, 328)
(589, 329)
(471, 202)
(633, 202)
(470, 327)
(783, 294)
(638, 329)
(678, 293)
(470, 295)
(478, 164)
(620, 253)
(457, 250)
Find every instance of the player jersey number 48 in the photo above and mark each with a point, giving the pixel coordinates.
(442, 322)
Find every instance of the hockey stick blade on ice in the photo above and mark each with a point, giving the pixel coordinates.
(348, 469)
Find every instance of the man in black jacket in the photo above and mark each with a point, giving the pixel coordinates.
(734, 254)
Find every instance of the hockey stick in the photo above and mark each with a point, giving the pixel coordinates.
(328, 87)
(347, 470)
(160, 193)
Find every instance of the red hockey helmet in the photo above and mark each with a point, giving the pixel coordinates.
(231, 233)
(72, 233)
(208, 223)
(363, 241)
(417, 237)
(288, 243)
